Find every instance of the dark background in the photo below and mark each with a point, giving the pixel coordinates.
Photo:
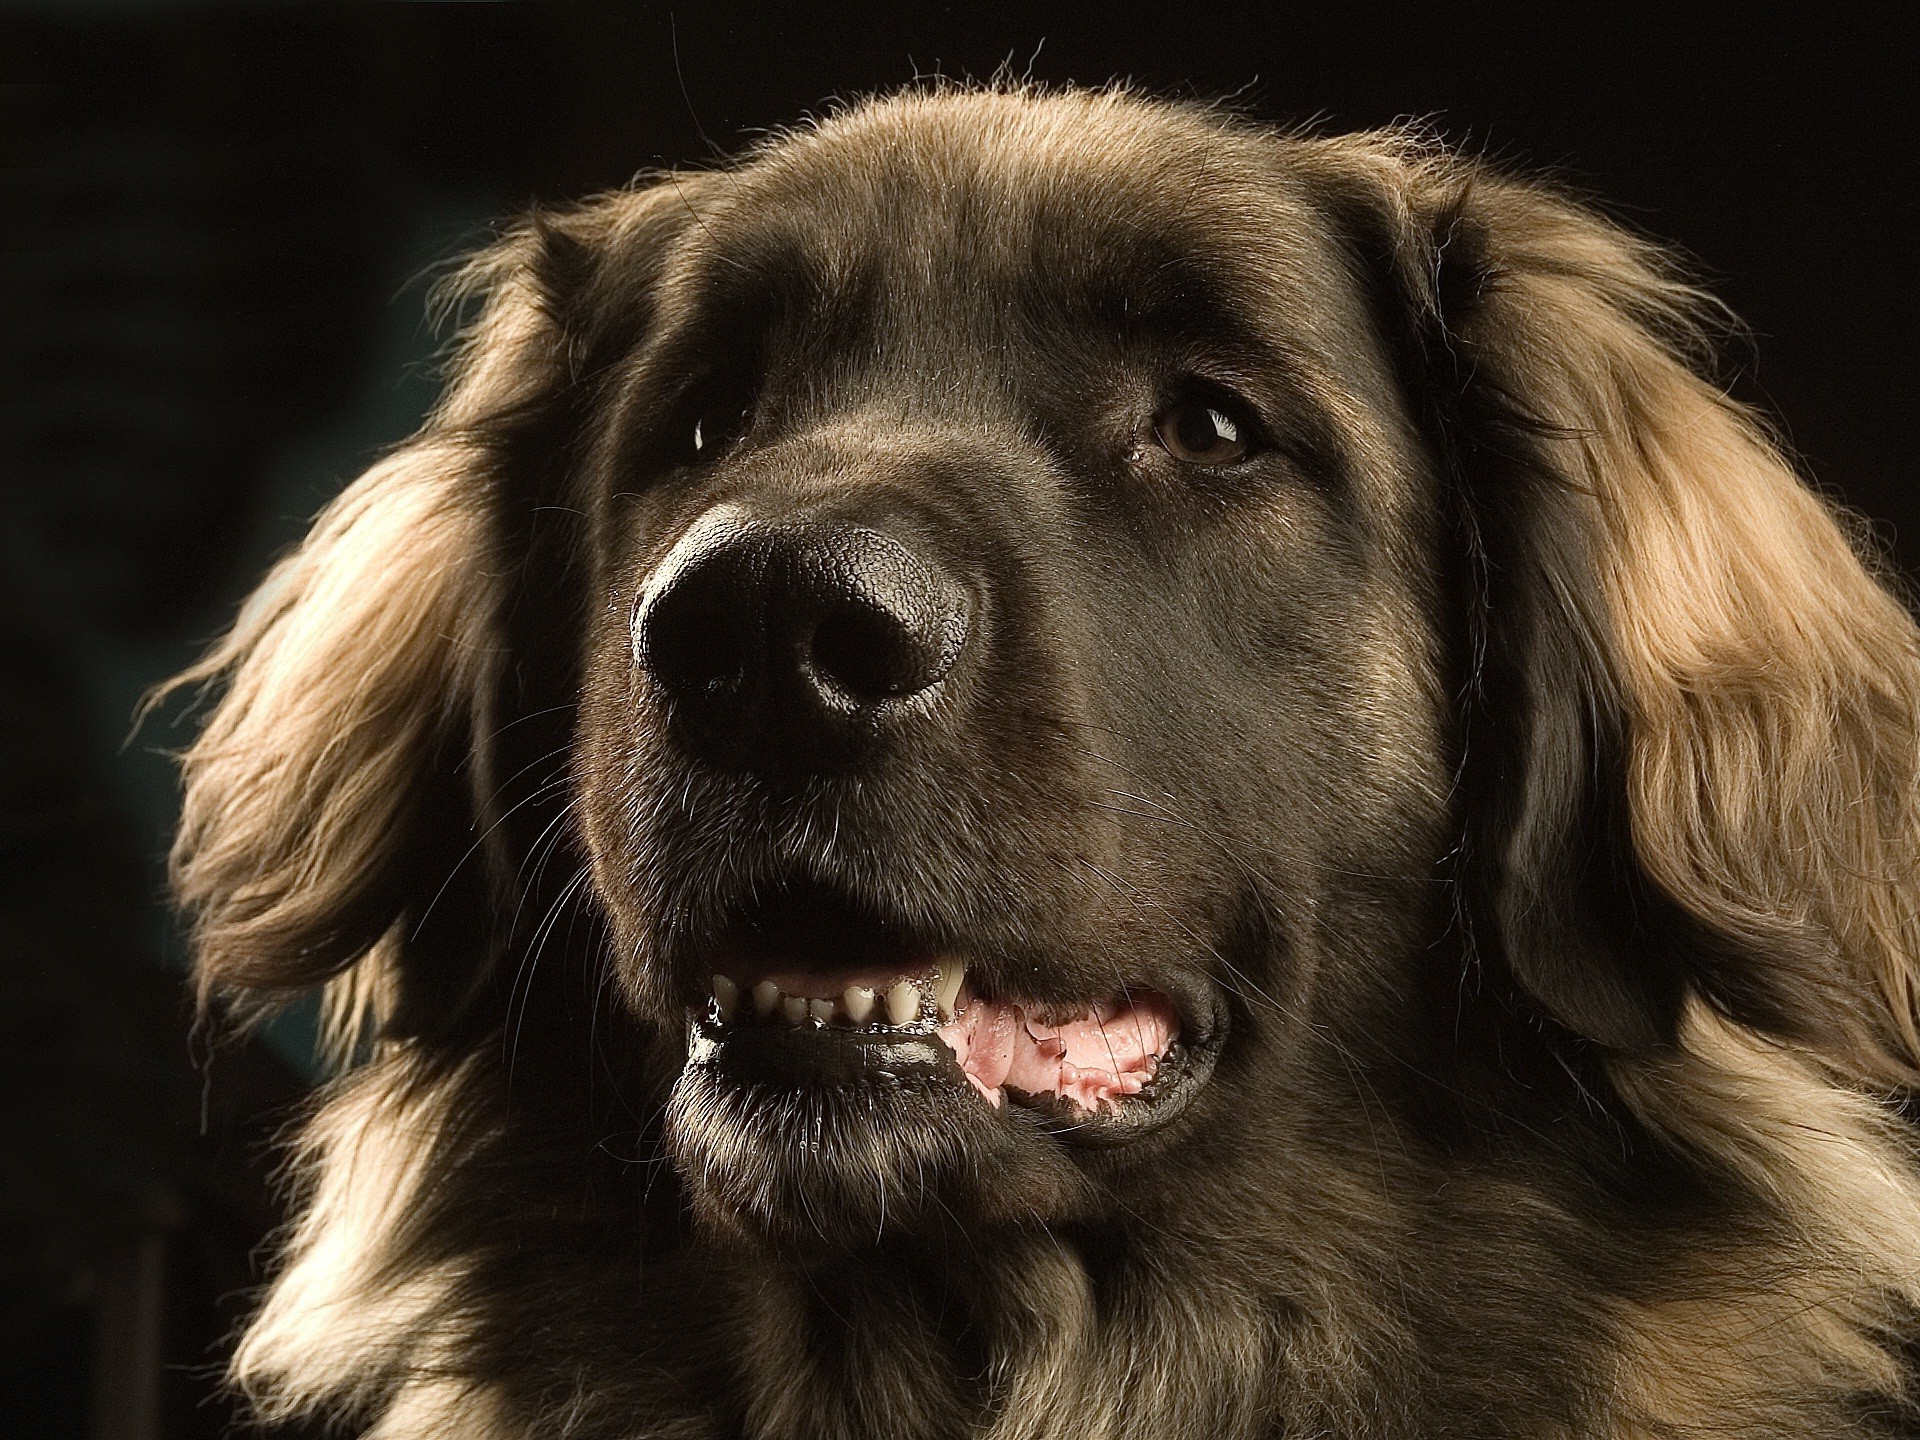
(216, 229)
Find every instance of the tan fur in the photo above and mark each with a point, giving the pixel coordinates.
(1769, 1326)
(342, 676)
(1773, 682)
(1773, 690)
(295, 786)
(347, 1302)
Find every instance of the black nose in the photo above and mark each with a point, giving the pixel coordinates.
(796, 645)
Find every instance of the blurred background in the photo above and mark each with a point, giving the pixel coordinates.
(217, 228)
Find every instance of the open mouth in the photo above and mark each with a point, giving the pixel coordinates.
(813, 992)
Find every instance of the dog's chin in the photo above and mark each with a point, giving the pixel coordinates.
(806, 1131)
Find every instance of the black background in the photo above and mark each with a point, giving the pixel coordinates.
(216, 230)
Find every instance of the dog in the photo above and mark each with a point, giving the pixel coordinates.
(1042, 763)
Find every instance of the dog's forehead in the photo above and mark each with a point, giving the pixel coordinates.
(973, 198)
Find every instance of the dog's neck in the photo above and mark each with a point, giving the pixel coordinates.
(1070, 1337)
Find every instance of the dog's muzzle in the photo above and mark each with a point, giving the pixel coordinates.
(791, 647)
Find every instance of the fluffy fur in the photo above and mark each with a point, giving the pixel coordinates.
(1520, 754)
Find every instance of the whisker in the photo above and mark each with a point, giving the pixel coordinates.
(529, 962)
(544, 789)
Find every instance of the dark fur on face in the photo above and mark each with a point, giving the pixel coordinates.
(1302, 584)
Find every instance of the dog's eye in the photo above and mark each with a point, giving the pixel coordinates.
(713, 431)
(719, 415)
(1203, 432)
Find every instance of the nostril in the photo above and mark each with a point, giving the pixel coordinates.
(689, 637)
(871, 653)
(888, 621)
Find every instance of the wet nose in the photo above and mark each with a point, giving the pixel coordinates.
(797, 645)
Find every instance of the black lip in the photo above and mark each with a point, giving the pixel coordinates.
(1188, 1068)
(885, 1059)
(809, 1058)
(1173, 1086)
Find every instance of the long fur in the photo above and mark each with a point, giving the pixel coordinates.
(1685, 711)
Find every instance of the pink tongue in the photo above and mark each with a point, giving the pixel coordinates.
(1097, 1059)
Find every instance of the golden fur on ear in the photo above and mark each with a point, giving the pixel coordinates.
(355, 661)
(1768, 677)
(1771, 683)
(366, 654)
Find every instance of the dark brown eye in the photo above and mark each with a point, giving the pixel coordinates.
(718, 425)
(1202, 432)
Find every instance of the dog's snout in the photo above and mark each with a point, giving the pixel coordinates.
(797, 644)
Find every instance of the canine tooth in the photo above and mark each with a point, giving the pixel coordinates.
(857, 1002)
(903, 1002)
(946, 986)
(726, 995)
(793, 1008)
(766, 995)
(821, 1010)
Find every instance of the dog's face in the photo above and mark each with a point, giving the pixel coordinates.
(1012, 660)
(1182, 701)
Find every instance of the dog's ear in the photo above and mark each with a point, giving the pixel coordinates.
(345, 777)
(1692, 706)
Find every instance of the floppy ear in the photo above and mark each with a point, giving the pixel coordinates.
(1693, 728)
(352, 682)
(347, 775)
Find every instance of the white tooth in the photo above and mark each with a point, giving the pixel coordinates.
(946, 986)
(726, 995)
(857, 1001)
(793, 1009)
(821, 1010)
(903, 1003)
(766, 995)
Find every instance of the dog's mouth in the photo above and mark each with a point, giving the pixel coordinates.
(819, 994)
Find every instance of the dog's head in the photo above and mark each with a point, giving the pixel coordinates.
(1032, 634)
